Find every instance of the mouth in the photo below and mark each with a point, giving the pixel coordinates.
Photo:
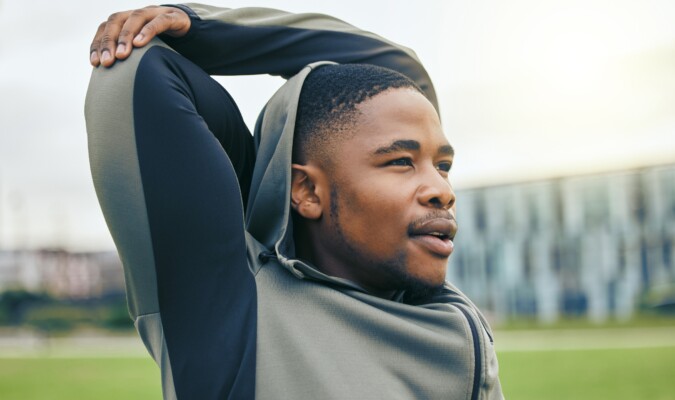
(435, 235)
(440, 235)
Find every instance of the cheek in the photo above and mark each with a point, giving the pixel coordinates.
(377, 216)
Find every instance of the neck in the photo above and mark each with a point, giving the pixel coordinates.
(308, 248)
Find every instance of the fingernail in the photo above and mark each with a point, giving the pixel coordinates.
(139, 37)
(93, 58)
(120, 48)
(105, 56)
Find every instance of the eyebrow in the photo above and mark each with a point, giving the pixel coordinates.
(399, 145)
(412, 145)
(446, 150)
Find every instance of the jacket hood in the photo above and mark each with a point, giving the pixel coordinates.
(268, 216)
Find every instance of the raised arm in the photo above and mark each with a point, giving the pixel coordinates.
(166, 147)
(249, 41)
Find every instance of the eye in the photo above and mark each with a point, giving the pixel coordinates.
(444, 166)
(401, 162)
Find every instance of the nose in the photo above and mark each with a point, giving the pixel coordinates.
(435, 191)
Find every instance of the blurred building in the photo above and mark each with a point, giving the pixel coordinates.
(62, 274)
(585, 245)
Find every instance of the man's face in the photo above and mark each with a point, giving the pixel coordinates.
(390, 217)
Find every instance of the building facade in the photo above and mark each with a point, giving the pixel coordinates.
(589, 246)
(585, 245)
(61, 274)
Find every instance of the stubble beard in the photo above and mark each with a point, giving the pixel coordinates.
(395, 269)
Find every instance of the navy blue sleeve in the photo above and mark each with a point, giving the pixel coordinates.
(168, 149)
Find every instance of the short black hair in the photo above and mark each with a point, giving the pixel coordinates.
(328, 100)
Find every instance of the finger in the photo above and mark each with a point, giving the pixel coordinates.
(159, 24)
(109, 38)
(133, 25)
(94, 56)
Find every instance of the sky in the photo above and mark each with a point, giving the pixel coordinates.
(528, 90)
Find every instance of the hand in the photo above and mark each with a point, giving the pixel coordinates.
(125, 30)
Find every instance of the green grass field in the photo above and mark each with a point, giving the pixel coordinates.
(571, 374)
(636, 374)
(79, 378)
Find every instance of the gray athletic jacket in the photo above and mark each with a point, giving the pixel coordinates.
(257, 322)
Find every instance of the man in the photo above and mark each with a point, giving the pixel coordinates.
(331, 284)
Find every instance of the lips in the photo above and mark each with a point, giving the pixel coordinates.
(435, 235)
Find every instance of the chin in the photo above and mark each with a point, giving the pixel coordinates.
(421, 287)
(426, 268)
(432, 273)
(418, 277)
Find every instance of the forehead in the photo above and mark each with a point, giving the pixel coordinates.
(398, 114)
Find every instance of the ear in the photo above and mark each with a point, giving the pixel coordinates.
(305, 199)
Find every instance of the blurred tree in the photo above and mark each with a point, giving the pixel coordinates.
(15, 302)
